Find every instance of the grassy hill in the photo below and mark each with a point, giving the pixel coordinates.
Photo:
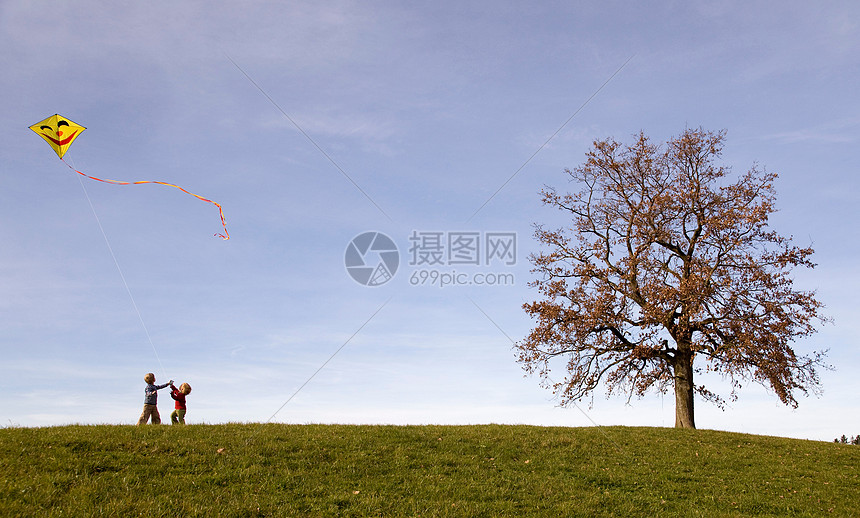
(493, 470)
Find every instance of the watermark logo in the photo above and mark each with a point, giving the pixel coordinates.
(439, 248)
(371, 258)
(438, 258)
(435, 255)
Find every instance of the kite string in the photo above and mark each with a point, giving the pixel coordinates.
(118, 269)
(225, 235)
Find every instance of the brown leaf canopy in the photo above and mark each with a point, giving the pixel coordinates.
(666, 260)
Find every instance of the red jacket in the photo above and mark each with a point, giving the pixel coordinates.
(179, 397)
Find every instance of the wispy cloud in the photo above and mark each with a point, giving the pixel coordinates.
(843, 131)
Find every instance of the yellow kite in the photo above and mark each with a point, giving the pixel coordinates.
(60, 132)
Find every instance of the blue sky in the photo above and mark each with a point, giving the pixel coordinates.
(427, 108)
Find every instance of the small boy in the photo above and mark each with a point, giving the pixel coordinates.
(150, 400)
(178, 394)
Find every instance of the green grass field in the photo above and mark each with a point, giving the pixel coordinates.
(493, 470)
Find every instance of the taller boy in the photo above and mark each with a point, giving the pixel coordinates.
(150, 400)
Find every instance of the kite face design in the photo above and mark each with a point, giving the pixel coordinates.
(59, 132)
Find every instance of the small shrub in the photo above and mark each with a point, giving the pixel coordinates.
(845, 440)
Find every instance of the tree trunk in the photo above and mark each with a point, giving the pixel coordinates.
(683, 368)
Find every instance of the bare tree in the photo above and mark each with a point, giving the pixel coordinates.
(667, 268)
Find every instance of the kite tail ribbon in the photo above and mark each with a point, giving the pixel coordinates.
(225, 236)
